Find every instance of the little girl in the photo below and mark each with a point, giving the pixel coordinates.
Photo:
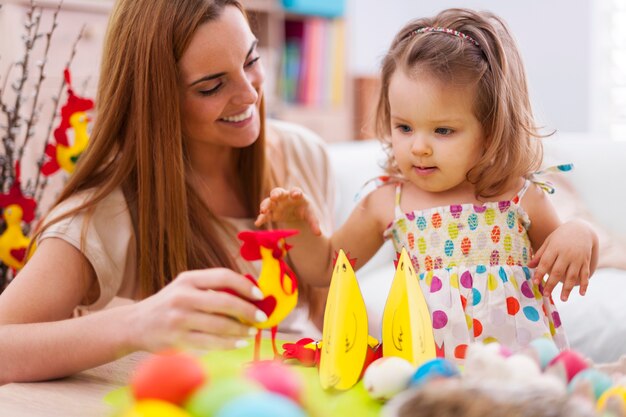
(461, 197)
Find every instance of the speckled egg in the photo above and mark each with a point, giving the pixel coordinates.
(170, 376)
(434, 368)
(155, 408)
(276, 377)
(261, 404)
(208, 399)
(387, 376)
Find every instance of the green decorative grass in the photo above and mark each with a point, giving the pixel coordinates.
(316, 401)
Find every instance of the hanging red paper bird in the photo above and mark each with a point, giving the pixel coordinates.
(62, 155)
(17, 208)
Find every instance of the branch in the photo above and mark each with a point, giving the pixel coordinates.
(14, 119)
(38, 192)
(32, 120)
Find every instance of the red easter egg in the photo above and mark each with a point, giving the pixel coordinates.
(169, 376)
(277, 378)
(571, 362)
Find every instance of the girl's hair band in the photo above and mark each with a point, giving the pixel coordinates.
(445, 30)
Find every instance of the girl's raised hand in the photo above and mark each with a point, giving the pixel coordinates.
(192, 312)
(288, 206)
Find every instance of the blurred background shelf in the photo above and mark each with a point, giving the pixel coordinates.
(303, 53)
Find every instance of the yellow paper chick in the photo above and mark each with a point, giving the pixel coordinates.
(345, 337)
(407, 326)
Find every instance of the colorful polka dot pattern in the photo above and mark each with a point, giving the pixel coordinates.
(471, 263)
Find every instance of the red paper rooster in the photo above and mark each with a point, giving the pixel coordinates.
(276, 280)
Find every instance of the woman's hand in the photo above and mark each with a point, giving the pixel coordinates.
(288, 206)
(192, 312)
(568, 255)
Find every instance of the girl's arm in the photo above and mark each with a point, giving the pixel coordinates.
(312, 253)
(567, 252)
(41, 341)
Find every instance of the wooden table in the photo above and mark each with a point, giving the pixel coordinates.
(81, 395)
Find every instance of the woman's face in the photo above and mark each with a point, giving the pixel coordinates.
(221, 82)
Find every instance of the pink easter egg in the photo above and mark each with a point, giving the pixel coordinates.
(570, 361)
(277, 378)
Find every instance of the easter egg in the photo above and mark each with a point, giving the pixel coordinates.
(568, 361)
(208, 399)
(170, 376)
(434, 368)
(616, 393)
(261, 404)
(598, 381)
(276, 377)
(545, 349)
(387, 376)
(155, 408)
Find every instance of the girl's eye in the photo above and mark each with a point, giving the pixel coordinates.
(403, 128)
(211, 91)
(444, 131)
(252, 62)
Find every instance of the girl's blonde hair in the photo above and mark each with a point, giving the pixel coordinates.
(137, 142)
(502, 104)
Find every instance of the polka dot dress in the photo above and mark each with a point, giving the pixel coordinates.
(471, 260)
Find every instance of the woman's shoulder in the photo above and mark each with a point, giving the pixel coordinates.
(111, 204)
(294, 138)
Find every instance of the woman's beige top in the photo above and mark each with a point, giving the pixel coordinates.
(108, 241)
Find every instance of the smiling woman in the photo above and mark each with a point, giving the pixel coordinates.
(176, 165)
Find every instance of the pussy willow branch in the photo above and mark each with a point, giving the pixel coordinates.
(40, 182)
(32, 119)
(13, 114)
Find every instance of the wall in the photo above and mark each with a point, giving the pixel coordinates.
(555, 39)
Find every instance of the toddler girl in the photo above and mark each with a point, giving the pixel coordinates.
(461, 197)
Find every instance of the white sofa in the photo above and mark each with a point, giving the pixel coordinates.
(596, 323)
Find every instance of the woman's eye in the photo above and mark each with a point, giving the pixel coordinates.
(252, 62)
(211, 91)
(443, 131)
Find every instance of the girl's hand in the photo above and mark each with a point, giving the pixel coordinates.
(288, 206)
(566, 256)
(192, 312)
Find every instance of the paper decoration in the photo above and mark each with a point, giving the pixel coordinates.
(276, 280)
(345, 338)
(407, 326)
(62, 155)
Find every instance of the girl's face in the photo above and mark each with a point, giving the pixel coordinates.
(435, 136)
(221, 83)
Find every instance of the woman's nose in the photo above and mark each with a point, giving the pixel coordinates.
(248, 88)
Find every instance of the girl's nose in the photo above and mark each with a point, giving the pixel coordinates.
(421, 146)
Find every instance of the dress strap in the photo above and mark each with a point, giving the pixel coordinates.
(398, 210)
(377, 182)
(521, 192)
(545, 185)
